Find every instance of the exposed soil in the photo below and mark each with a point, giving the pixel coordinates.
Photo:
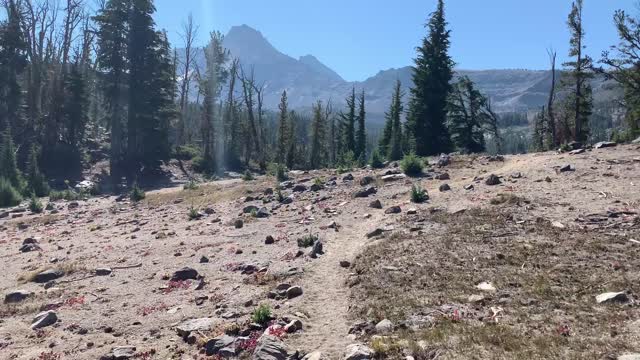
(547, 246)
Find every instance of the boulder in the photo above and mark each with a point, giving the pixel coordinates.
(293, 326)
(16, 296)
(294, 292)
(348, 177)
(375, 204)
(363, 193)
(445, 187)
(186, 327)
(384, 327)
(493, 180)
(358, 352)
(604, 144)
(613, 298)
(48, 275)
(270, 348)
(215, 345)
(263, 213)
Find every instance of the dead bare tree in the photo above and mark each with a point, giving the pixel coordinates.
(188, 35)
(248, 91)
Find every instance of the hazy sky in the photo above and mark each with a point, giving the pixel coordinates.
(358, 38)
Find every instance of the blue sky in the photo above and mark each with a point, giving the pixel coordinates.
(358, 38)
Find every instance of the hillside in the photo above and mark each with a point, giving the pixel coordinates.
(539, 263)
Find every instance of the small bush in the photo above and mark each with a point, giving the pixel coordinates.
(191, 185)
(279, 196)
(69, 195)
(186, 152)
(418, 194)
(318, 181)
(279, 171)
(35, 205)
(307, 240)
(9, 196)
(376, 160)
(261, 315)
(248, 176)
(411, 165)
(136, 193)
(193, 214)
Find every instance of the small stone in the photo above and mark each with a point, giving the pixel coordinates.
(566, 168)
(299, 188)
(250, 209)
(238, 224)
(263, 213)
(476, 299)
(469, 187)
(493, 180)
(557, 224)
(412, 211)
(186, 273)
(393, 210)
(215, 345)
(348, 177)
(375, 204)
(384, 327)
(48, 275)
(443, 176)
(186, 327)
(367, 180)
(345, 264)
(374, 233)
(365, 192)
(103, 271)
(204, 259)
(613, 298)
(16, 296)
(445, 187)
(294, 291)
(485, 286)
(604, 144)
(269, 240)
(123, 352)
(316, 355)
(293, 326)
(44, 319)
(358, 352)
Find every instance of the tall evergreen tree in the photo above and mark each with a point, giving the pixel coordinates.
(348, 121)
(579, 74)
(432, 75)
(318, 155)
(465, 123)
(361, 134)
(394, 151)
(113, 28)
(283, 132)
(13, 61)
(8, 165)
(291, 147)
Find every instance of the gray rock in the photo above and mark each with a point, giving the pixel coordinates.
(250, 209)
(44, 319)
(384, 327)
(263, 213)
(123, 352)
(604, 144)
(367, 180)
(186, 273)
(443, 176)
(445, 187)
(374, 233)
(293, 326)
(238, 224)
(48, 275)
(17, 296)
(294, 291)
(493, 180)
(316, 187)
(348, 177)
(567, 168)
(443, 160)
(345, 264)
(576, 152)
(393, 177)
(269, 240)
(186, 327)
(270, 348)
(375, 204)
(365, 192)
(393, 210)
(299, 188)
(316, 249)
(613, 298)
(469, 187)
(636, 141)
(358, 352)
(103, 271)
(29, 248)
(215, 345)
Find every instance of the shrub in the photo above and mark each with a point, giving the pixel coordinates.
(376, 160)
(318, 181)
(69, 195)
(193, 213)
(36, 182)
(136, 193)
(418, 194)
(186, 152)
(248, 176)
(279, 196)
(307, 240)
(261, 315)
(35, 205)
(411, 165)
(347, 162)
(191, 185)
(9, 196)
(278, 170)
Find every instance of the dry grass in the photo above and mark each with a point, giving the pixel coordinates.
(67, 268)
(546, 281)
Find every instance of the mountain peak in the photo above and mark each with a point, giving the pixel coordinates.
(317, 66)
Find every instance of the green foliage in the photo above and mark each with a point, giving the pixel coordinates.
(254, 213)
(68, 194)
(278, 170)
(191, 185)
(193, 213)
(391, 142)
(8, 164)
(318, 181)
(467, 116)
(418, 194)
(307, 240)
(283, 132)
(361, 134)
(412, 165)
(36, 182)
(279, 196)
(248, 176)
(35, 205)
(347, 162)
(432, 75)
(261, 315)
(376, 160)
(318, 154)
(186, 152)
(9, 196)
(136, 193)
(348, 124)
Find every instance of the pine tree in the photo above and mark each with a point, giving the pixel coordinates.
(317, 157)
(348, 120)
(361, 134)
(75, 106)
(465, 118)
(113, 27)
(8, 165)
(283, 132)
(579, 74)
(36, 182)
(394, 150)
(432, 75)
(13, 61)
(291, 146)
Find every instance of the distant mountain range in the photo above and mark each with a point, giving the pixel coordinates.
(307, 79)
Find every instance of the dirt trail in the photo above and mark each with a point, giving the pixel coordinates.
(326, 298)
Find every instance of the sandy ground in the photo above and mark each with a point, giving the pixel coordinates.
(145, 243)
